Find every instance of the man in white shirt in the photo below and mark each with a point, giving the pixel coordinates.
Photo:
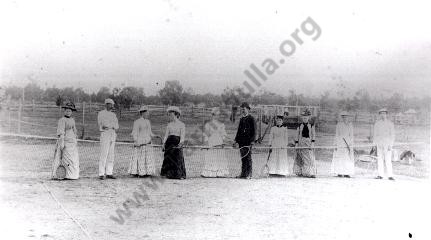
(108, 124)
(384, 138)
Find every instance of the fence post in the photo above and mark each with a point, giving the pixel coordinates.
(9, 118)
(163, 116)
(33, 105)
(19, 116)
(260, 115)
(203, 123)
(83, 120)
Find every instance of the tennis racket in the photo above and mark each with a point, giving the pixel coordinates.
(348, 147)
(245, 147)
(265, 170)
(60, 173)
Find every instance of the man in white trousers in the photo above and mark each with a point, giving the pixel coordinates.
(384, 138)
(108, 124)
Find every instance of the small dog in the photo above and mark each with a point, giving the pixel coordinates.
(408, 156)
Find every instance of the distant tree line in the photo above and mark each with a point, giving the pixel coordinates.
(174, 94)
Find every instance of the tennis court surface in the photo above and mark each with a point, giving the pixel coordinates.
(204, 208)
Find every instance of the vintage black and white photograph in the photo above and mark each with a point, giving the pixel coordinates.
(187, 119)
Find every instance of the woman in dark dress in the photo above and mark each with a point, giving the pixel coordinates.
(173, 164)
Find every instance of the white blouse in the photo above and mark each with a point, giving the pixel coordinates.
(141, 132)
(278, 137)
(66, 128)
(176, 128)
(214, 133)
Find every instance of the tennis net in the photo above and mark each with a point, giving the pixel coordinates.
(32, 156)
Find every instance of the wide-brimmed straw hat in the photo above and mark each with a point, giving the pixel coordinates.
(69, 105)
(174, 109)
(306, 113)
(108, 100)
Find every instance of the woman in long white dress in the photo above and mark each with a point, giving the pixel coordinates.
(142, 162)
(343, 163)
(66, 150)
(278, 137)
(216, 164)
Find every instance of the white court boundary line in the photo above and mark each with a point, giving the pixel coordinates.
(67, 213)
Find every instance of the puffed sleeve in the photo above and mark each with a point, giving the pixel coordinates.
(61, 127)
(75, 131)
(313, 133)
(286, 135)
(206, 132)
(135, 131)
(271, 136)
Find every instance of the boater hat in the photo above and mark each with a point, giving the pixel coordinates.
(143, 109)
(69, 105)
(174, 109)
(108, 100)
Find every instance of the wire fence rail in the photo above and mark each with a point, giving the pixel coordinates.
(41, 119)
(34, 154)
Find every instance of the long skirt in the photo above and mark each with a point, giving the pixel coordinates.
(142, 162)
(216, 164)
(278, 162)
(305, 163)
(343, 162)
(67, 157)
(173, 163)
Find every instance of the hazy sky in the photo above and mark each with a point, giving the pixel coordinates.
(378, 45)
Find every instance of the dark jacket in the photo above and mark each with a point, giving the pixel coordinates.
(246, 133)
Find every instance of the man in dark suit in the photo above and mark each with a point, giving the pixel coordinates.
(245, 137)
